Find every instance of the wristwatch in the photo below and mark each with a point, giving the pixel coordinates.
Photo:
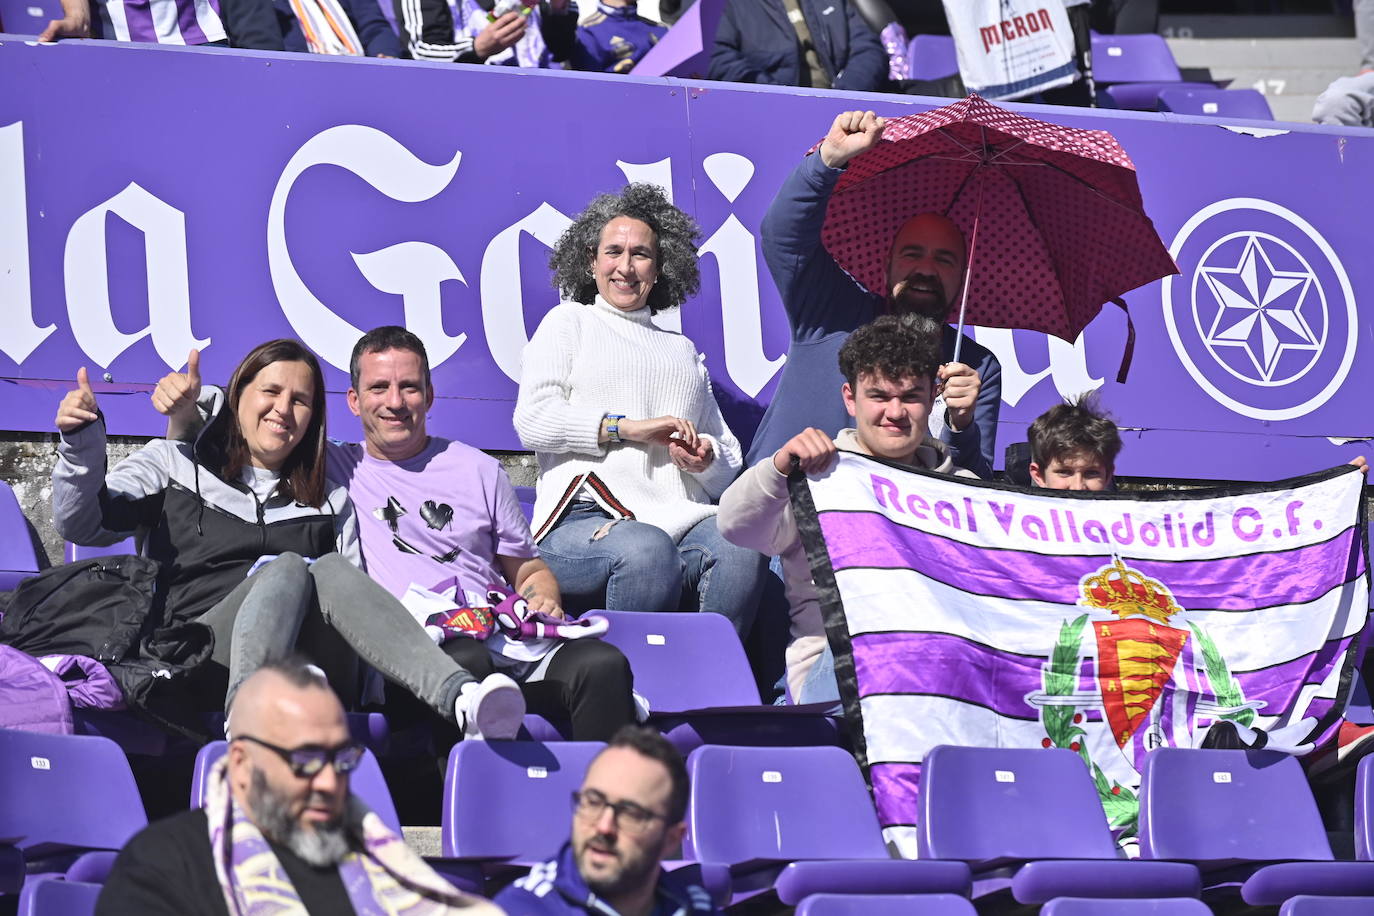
(613, 427)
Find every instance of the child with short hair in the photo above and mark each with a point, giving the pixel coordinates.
(1074, 447)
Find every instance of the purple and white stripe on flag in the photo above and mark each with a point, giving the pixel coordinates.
(975, 613)
(164, 22)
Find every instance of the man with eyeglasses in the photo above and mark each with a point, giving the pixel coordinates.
(627, 817)
(279, 824)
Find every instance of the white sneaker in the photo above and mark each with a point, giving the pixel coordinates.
(491, 710)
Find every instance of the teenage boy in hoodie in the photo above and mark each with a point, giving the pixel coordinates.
(889, 367)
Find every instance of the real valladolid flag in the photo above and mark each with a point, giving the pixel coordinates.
(974, 613)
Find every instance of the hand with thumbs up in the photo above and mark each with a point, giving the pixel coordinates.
(78, 407)
(176, 392)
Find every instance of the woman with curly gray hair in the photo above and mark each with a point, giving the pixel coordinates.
(633, 450)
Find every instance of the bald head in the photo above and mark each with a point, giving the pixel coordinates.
(278, 697)
(926, 266)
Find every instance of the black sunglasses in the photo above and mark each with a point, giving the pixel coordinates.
(307, 761)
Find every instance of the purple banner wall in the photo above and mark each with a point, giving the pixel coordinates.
(155, 199)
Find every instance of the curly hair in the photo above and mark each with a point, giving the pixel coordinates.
(675, 231)
(1079, 425)
(894, 346)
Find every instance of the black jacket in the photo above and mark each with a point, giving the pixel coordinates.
(757, 44)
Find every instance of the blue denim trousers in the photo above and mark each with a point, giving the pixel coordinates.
(625, 565)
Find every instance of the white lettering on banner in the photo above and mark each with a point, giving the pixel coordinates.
(393, 170)
(21, 335)
(86, 268)
(414, 271)
(507, 333)
(733, 247)
(1068, 367)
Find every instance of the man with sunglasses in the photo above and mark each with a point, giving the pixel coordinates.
(627, 817)
(279, 822)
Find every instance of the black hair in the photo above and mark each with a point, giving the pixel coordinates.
(1076, 425)
(893, 346)
(387, 337)
(647, 742)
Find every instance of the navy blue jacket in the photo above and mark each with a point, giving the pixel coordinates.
(614, 38)
(556, 888)
(757, 44)
(824, 305)
(368, 21)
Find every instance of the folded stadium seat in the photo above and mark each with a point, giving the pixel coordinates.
(28, 17)
(932, 57)
(1364, 810)
(58, 897)
(1307, 905)
(885, 905)
(1360, 711)
(70, 802)
(76, 552)
(1158, 906)
(1248, 820)
(1140, 96)
(799, 821)
(18, 559)
(1220, 103)
(693, 671)
(1133, 59)
(366, 782)
(526, 497)
(1029, 821)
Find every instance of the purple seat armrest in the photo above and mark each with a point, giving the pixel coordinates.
(1040, 881)
(877, 876)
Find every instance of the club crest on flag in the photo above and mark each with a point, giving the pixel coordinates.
(1136, 662)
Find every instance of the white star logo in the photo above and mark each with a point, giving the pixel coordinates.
(1260, 309)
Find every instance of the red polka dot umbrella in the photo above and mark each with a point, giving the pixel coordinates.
(1052, 214)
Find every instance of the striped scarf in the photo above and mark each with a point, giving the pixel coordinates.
(326, 27)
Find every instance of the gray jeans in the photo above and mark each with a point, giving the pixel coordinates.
(334, 614)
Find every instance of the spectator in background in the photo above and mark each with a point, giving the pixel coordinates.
(615, 37)
(429, 33)
(1074, 447)
(279, 824)
(347, 27)
(1349, 100)
(550, 33)
(821, 44)
(249, 24)
(632, 448)
(627, 817)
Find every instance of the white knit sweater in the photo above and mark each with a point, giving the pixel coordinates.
(587, 361)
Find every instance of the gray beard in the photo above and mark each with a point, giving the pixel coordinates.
(323, 846)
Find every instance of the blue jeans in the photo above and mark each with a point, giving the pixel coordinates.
(821, 685)
(625, 565)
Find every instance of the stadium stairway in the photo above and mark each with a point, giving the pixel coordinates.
(1290, 72)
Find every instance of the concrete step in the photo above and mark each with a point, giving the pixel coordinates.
(424, 841)
(1342, 54)
(1267, 25)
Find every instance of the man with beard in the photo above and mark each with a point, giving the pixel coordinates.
(926, 263)
(279, 823)
(627, 817)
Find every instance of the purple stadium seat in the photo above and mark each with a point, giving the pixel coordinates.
(1133, 59)
(18, 560)
(64, 795)
(693, 671)
(932, 57)
(366, 782)
(1364, 810)
(526, 497)
(11, 868)
(1307, 905)
(28, 17)
(885, 905)
(1234, 812)
(1141, 96)
(509, 801)
(1220, 103)
(1159, 906)
(1360, 711)
(784, 816)
(56, 897)
(76, 552)
(1029, 819)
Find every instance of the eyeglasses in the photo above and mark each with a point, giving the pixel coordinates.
(589, 803)
(307, 761)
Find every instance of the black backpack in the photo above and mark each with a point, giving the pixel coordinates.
(96, 607)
